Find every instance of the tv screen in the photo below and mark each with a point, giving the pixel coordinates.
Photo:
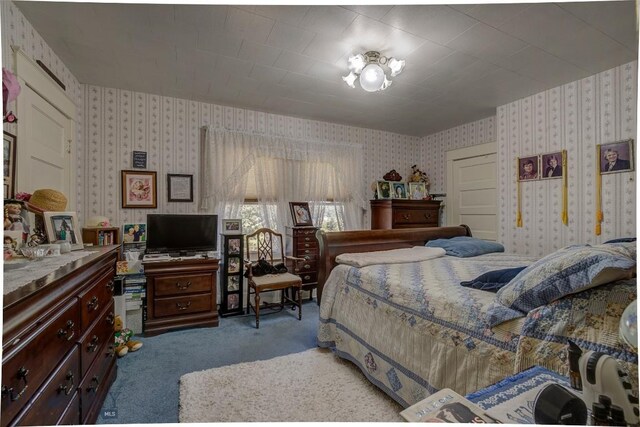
(181, 234)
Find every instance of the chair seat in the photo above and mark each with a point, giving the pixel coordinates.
(276, 281)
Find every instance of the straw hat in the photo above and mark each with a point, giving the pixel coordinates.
(47, 200)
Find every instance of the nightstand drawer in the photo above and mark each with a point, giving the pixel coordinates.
(415, 216)
(306, 267)
(309, 277)
(180, 305)
(182, 284)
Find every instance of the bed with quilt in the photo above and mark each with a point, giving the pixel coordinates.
(417, 319)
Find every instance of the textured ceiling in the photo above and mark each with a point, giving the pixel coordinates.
(462, 61)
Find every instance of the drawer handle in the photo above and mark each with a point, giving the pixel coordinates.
(111, 318)
(63, 332)
(22, 375)
(307, 266)
(183, 286)
(406, 217)
(307, 251)
(183, 306)
(307, 245)
(308, 257)
(69, 387)
(307, 277)
(93, 346)
(110, 286)
(427, 216)
(111, 351)
(93, 304)
(307, 239)
(95, 382)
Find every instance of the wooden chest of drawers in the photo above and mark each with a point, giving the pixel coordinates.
(53, 328)
(305, 245)
(180, 294)
(399, 213)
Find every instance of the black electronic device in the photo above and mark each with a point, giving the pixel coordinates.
(181, 234)
(555, 404)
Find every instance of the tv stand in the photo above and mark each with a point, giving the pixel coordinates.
(181, 293)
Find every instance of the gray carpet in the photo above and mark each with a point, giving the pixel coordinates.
(147, 387)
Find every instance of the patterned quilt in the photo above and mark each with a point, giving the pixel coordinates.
(413, 330)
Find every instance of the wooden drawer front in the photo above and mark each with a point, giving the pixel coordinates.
(94, 380)
(307, 267)
(310, 239)
(172, 306)
(101, 332)
(304, 231)
(181, 284)
(309, 277)
(94, 299)
(307, 253)
(71, 415)
(54, 397)
(24, 371)
(415, 216)
(302, 245)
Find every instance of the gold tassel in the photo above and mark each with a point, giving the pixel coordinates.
(565, 202)
(599, 215)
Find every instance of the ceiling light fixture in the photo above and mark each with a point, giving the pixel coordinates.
(368, 67)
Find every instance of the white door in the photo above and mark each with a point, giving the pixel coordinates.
(471, 191)
(44, 146)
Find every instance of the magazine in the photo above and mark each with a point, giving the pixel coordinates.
(446, 406)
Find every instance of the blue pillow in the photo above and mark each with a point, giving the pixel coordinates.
(564, 272)
(622, 240)
(464, 246)
(492, 281)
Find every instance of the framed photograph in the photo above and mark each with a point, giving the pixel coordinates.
(180, 187)
(139, 189)
(234, 246)
(528, 168)
(399, 190)
(140, 159)
(234, 264)
(418, 191)
(233, 301)
(616, 157)
(551, 165)
(134, 233)
(234, 283)
(300, 213)
(9, 160)
(63, 226)
(232, 226)
(384, 189)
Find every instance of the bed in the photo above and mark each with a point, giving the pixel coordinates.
(413, 330)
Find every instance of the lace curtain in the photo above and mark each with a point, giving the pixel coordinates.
(283, 170)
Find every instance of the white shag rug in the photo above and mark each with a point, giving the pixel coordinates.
(314, 385)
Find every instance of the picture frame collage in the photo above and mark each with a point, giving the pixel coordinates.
(541, 166)
(401, 190)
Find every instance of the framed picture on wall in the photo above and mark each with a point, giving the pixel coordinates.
(399, 190)
(139, 189)
(9, 163)
(180, 187)
(551, 165)
(616, 157)
(63, 226)
(528, 168)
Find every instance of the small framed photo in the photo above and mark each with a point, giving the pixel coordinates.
(384, 190)
(234, 246)
(234, 264)
(616, 157)
(180, 187)
(300, 213)
(139, 189)
(234, 283)
(63, 226)
(551, 165)
(528, 168)
(134, 233)
(140, 159)
(418, 191)
(233, 301)
(9, 162)
(399, 190)
(232, 226)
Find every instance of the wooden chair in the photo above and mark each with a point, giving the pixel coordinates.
(270, 248)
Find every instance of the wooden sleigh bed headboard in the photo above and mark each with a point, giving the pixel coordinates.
(335, 243)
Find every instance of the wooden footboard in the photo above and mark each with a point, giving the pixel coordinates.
(333, 244)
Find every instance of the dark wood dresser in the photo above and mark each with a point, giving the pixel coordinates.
(180, 294)
(305, 245)
(399, 213)
(58, 359)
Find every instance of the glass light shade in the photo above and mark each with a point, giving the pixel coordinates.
(396, 66)
(629, 325)
(372, 78)
(350, 79)
(357, 63)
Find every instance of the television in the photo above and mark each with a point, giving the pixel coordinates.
(180, 234)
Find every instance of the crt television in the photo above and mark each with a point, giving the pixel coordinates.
(181, 234)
